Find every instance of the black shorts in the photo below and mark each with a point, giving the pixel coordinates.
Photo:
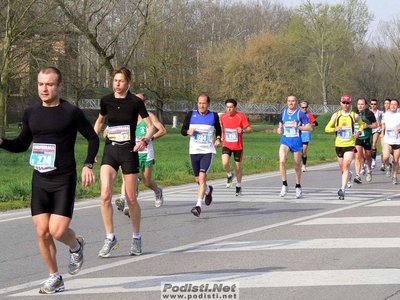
(117, 155)
(201, 163)
(366, 143)
(341, 150)
(395, 147)
(237, 154)
(54, 195)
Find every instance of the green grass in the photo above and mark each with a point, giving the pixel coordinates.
(172, 161)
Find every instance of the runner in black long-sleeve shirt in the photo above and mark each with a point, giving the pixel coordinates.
(52, 125)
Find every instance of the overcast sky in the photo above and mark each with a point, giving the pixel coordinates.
(382, 9)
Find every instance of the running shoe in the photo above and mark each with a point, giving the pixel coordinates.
(126, 212)
(120, 203)
(382, 168)
(373, 164)
(284, 190)
(362, 172)
(394, 180)
(350, 182)
(76, 258)
(369, 176)
(341, 194)
(52, 285)
(229, 181)
(389, 171)
(299, 193)
(208, 198)
(304, 168)
(238, 191)
(136, 248)
(159, 197)
(108, 247)
(196, 210)
(357, 179)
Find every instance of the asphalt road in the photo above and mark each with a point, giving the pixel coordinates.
(268, 247)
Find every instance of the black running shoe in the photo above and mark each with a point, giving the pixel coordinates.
(196, 211)
(209, 196)
(238, 191)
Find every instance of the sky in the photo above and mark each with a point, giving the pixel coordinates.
(382, 9)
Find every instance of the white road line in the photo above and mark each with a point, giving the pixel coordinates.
(385, 203)
(246, 280)
(263, 245)
(352, 220)
(183, 247)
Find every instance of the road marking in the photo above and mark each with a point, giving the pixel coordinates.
(130, 259)
(246, 280)
(346, 243)
(385, 203)
(352, 220)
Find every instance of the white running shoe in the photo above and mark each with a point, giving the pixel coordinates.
(373, 165)
(299, 193)
(350, 182)
(304, 168)
(284, 190)
(159, 197)
(369, 176)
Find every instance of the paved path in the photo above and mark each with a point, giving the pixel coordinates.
(317, 247)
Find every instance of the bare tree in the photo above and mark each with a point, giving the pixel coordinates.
(21, 37)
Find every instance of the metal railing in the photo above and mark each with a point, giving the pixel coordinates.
(247, 108)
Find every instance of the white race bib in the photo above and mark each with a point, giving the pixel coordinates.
(43, 157)
(120, 133)
(231, 135)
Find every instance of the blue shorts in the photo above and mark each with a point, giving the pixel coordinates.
(294, 143)
(306, 136)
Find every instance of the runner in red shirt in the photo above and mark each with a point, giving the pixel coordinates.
(233, 124)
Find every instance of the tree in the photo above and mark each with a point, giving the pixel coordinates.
(24, 23)
(328, 36)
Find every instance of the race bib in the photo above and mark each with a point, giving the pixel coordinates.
(231, 135)
(345, 134)
(43, 157)
(201, 137)
(289, 129)
(390, 133)
(120, 133)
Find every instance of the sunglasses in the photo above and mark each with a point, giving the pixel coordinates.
(373, 103)
(345, 102)
(304, 107)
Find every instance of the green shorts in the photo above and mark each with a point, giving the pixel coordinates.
(144, 163)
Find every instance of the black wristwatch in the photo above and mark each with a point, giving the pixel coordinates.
(90, 166)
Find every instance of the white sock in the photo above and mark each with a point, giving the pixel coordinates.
(137, 236)
(110, 236)
(199, 201)
(238, 185)
(56, 274)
